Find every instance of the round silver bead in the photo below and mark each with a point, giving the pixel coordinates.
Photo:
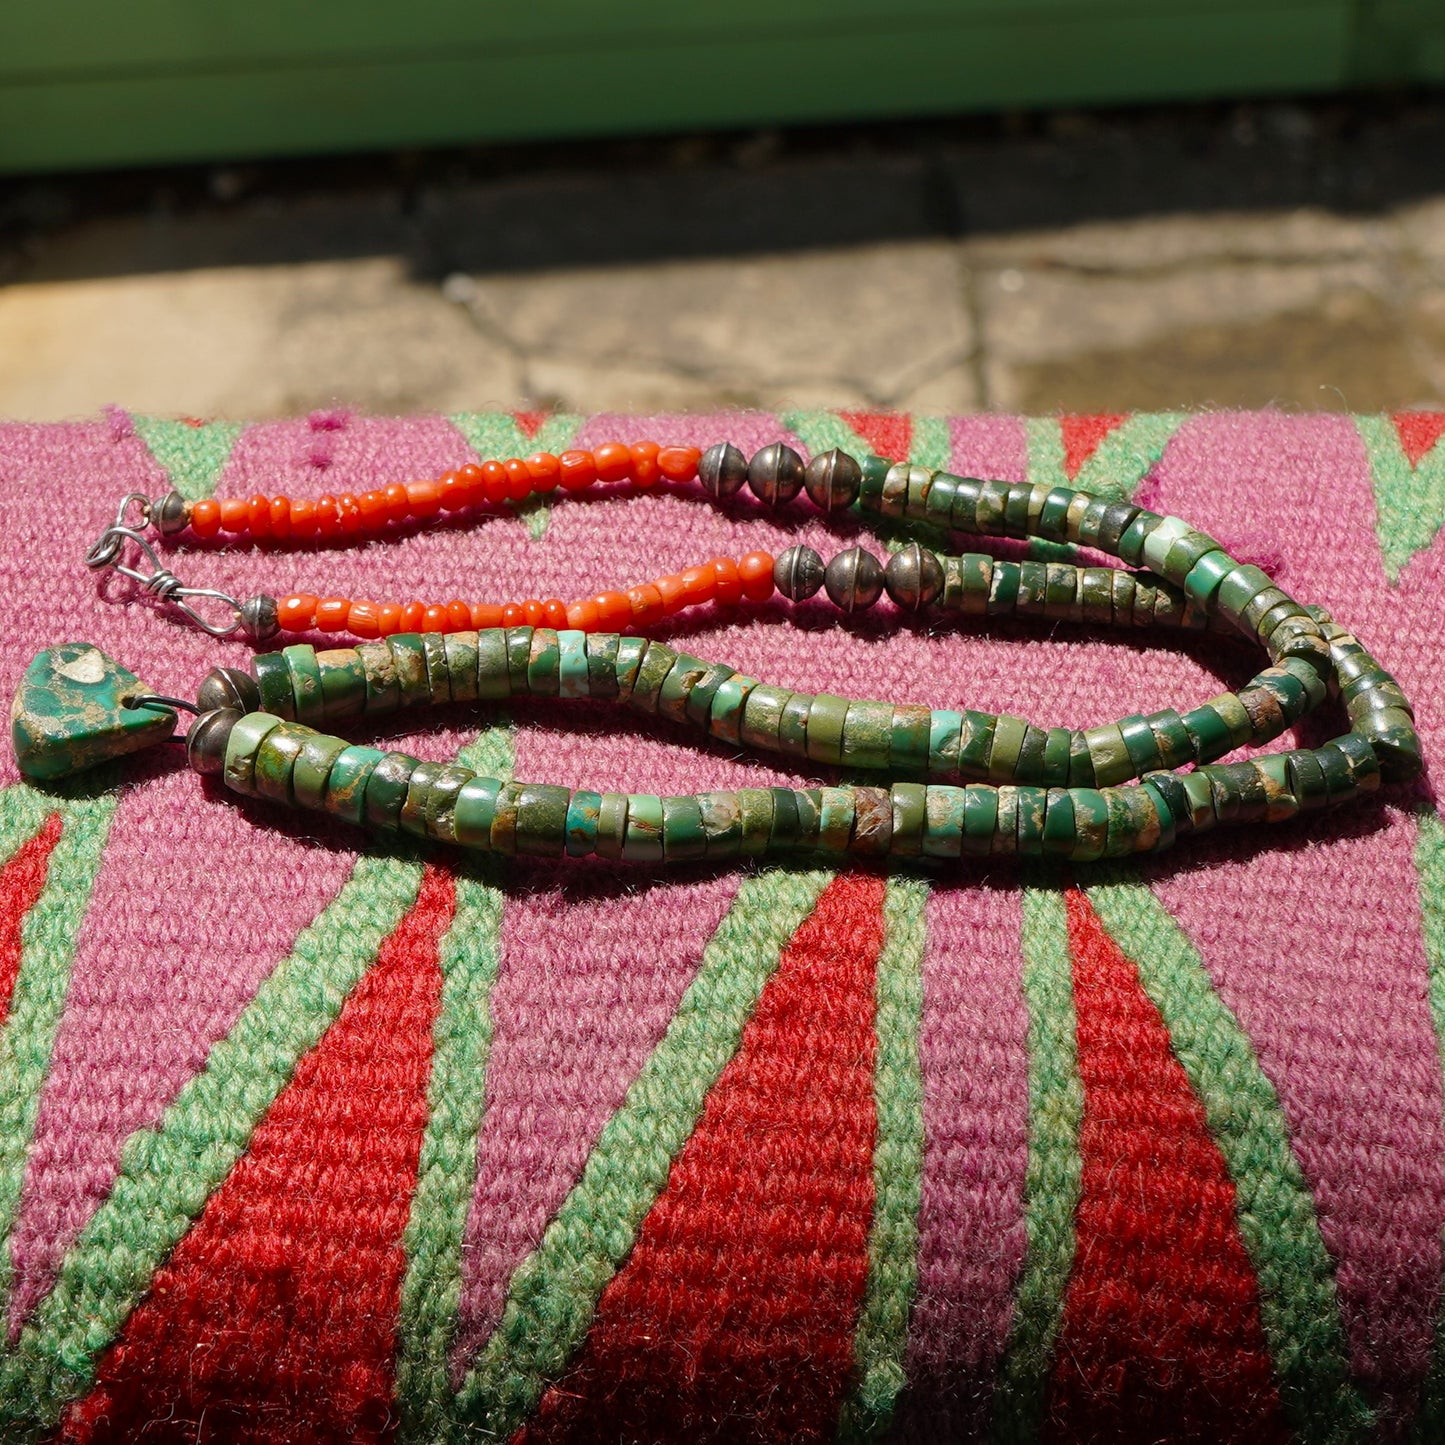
(224, 687)
(798, 573)
(913, 577)
(207, 738)
(258, 618)
(172, 514)
(776, 474)
(832, 479)
(854, 579)
(722, 470)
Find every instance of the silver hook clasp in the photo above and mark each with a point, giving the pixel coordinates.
(108, 551)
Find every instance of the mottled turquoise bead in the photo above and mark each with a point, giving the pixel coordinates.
(1032, 813)
(307, 699)
(438, 674)
(494, 678)
(542, 820)
(835, 819)
(700, 698)
(980, 819)
(945, 729)
(1058, 836)
(386, 790)
(313, 768)
(725, 717)
(722, 823)
(909, 738)
(345, 796)
(683, 836)
(684, 675)
(910, 815)
(582, 815)
(612, 826)
(273, 680)
(574, 674)
(602, 664)
(943, 821)
(1091, 823)
(643, 843)
(975, 743)
(755, 808)
(472, 815)
(383, 694)
(519, 658)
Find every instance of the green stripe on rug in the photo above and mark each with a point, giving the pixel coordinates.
(447, 1172)
(1298, 1301)
(1118, 464)
(882, 1334)
(1409, 501)
(1052, 1176)
(167, 1173)
(1430, 865)
(554, 1292)
(192, 457)
(48, 940)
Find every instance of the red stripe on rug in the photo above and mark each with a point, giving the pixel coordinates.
(1161, 1335)
(733, 1318)
(887, 432)
(22, 880)
(1081, 436)
(529, 423)
(275, 1319)
(1418, 432)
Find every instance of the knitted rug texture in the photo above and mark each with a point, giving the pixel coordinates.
(306, 1136)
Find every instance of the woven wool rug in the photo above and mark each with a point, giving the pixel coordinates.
(305, 1137)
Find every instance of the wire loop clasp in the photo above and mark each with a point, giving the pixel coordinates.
(108, 553)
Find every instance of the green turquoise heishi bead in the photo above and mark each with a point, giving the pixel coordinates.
(1134, 824)
(1165, 832)
(699, 700)
(872, 822)
(1235, 718)
(438, 674)
(1033, 588)
(1206, 575)
(893, 495)
(542, 820)
(239, 769)
(725, 717)
(835, 819)
(1131, 542)
(1393, 741)
(1170, 787)
(504, 818)
(1061, 592)
(574, 676)
(1081, 762)
(944, 808)
(412, 817)
(1122, 585)
(657, 662)
(867, 734)
(1058, 836)
(474, 811)
(1365, 700)
(910, 816)
(386, 790)
(313, 767)
(975, 743)
(276, 761)
(920, 484)
(964, 517)
(1363, 758)
(519, 658)
(945, 729)
(976, 571)
(1186, 552)
(273, 681)
(1239, 794)
(630, 652)
(1112, 763)
(1307, 779)
(1055, 771)
(684, 675)
(1259, 605)
(762, 716)
(810, 814)
(1286, 689)
(938, 504)
(1032, 808)
(980, 819)
(643, 843)
(1006, 829)
(612, 826)
(346, 783)
(582, 815)
(909, 738)
(1116, 521)
(461, 659)
(1140, 744)
(1092, 520)
(542, 663)
(343, 683)
(684, 838)
(1016, 511)
(1003, 589)
(793, 725)
(1091, 824)
(1055, 510)
(722, 823)
(1281, 803)
(826, 718)
(1200, 792)
(990, 509)
(383, 694)
(874, 469)
(1078, 505)
(1161, 539)
(1239, 589)
(1171, 738)
(494, 675)
(786, 830)
(408, 655)
(602, 664)
(308, 702)
(1209, 733)
(439, 809)
(755, 810)
(1030, 766)
(1008, 741)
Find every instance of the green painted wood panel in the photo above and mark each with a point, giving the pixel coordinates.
(90, 82)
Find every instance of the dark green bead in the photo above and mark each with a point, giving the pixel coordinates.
(408, 655)
(810, 814)
(867, 734)
(1307, 779)
(602, 664)
(793, 725)
(976, 573)
(438, 674)
(1055, 769)
(1032, 815)
(383, 694)
(684, 675)
(652, 672)
(725, 717)
(980, 819)
(1206, 575)
(1016, 511)
(1209, 732)
(722, 823)
(630, 652)
(1239, 795)
(308, 702)
(313, 768)
(386, 790)
(1165, 815)
(908, 745)
(1091, 823)
(1061, 592)
(910, 814)
(992, 504)
(544, 663)
(784, 833)
(519, 658)
(943, 821)
(1131, 540)
(582, 816)
(418, 790)
(1117, 518)
(542, 820)
(439, 808)
(683, 837)
(461, 659)
(343, 683)
(1286, 689)
(1170, 787)
(755, 810)
(612, 826)
(1030, 766)
(276, 761)
(1003, 589)
(1171, 738)
(1393, 741)
(346, 783)
(504, 819)
(965, 504)
(975, 744)
(1122, 838)
(474, 811)
(1058, 835)
(494, 673)
(1081, 762)
(1033, 588)
(273, 680)
(700, 698)
(1055, 510)
(1140, 744)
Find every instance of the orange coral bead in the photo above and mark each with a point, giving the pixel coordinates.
(328, 516)
(303, 517)
(614, 461)
(756, 571)
(453, 492)
(279, 519)
(699, 585)
(470, 479)
(206, 518)
(494, 482)
(412, 614)
(259, 508)
(613, 609)
(375, 509)
(512, 614)
(349, 510)
(486, 614)
(546, 471)
(554, 612)
(297, 612)
(459, 616)
(583, 616)
(364, 619)
(645, 472)
(398, 504)
(519, 479)
(577, 470)
(390, 619)
(646, 603)
(435, 619)
(671, 590)
(424, 498)
(729, 585)
(678, 464)
(331, 614)
(235, 514)
(532, 612)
